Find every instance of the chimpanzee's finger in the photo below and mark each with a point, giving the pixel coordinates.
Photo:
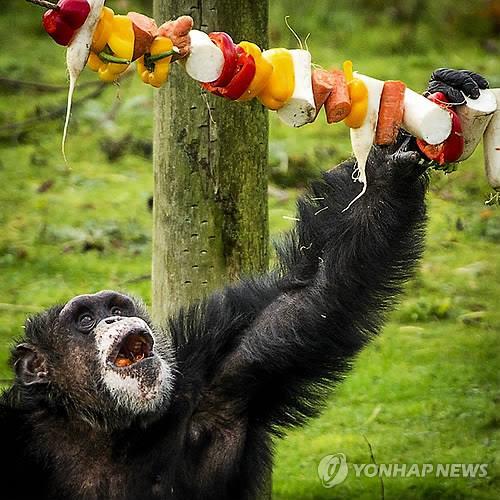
(482, 83)
(404, 157)
(454, 96)
(458, 79)
(408, 164)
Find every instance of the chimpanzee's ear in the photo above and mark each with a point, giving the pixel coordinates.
(30, 365)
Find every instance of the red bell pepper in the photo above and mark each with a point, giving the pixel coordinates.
(245, 71)
(228, 48)
(451, 149)
(62, 22)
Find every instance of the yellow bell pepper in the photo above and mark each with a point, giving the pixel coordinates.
(103, 30)
(263, 71)
(107, 71)
(153, 67)
(281, 84)
(122, 38)
(111, 62)
(358, 93)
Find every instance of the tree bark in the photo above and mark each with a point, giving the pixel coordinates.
(210, 170)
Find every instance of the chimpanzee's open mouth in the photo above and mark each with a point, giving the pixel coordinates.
(133, 348)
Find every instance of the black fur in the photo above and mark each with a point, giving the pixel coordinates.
(251, 360)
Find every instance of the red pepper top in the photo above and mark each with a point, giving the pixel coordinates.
(63, 23)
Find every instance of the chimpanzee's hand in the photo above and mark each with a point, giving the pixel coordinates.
(456, 82)
(401, 164)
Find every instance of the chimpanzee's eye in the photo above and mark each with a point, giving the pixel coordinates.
(116, 311)
(86, 322)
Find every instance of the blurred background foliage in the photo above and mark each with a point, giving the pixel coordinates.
(428, 389)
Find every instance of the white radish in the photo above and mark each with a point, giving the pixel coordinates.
(424, 119)
(77, 55)
(491, 144)
(474, 116)
(362, 138)
(300, 108)
(205, 61)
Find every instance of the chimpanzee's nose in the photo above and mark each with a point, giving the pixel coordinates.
(113, 319)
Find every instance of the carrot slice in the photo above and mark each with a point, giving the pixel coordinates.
(322, 85)
(338, 103)
(390, 116)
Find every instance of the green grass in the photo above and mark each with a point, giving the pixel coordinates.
(427, 391)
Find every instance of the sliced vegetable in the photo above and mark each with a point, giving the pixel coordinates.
(424, 119)
(63, 22)
(205, 61)
(474, 116)
(153, 67)
(450, 149)
(491, 144)
(362, 138)
(117, 56)
(338, 103)
(280, 86)
(358, 93)
(390, 116)
(300, 108)
(178, 31)
(122, 38)
(228, 48)
(145, 31)
(102, 30)
(263, 71)
(322, 85)
(110, 69)
(77, 55)
(245, 72)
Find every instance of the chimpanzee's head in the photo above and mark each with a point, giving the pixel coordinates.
(97, 356)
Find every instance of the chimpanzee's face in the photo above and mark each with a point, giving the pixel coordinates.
(101, 352)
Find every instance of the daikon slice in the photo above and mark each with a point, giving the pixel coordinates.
(425, 119)
(491, 144)
(300, 108)
(76, 58)
(205, 60)
(362, 138)
(474, 116)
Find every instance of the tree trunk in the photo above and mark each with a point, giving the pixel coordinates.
(210, 170)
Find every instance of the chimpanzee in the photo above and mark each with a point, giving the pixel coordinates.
(107, 406)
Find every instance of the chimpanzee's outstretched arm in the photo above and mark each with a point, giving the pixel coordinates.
(308, 336)
(270, 346)
(341, 272)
